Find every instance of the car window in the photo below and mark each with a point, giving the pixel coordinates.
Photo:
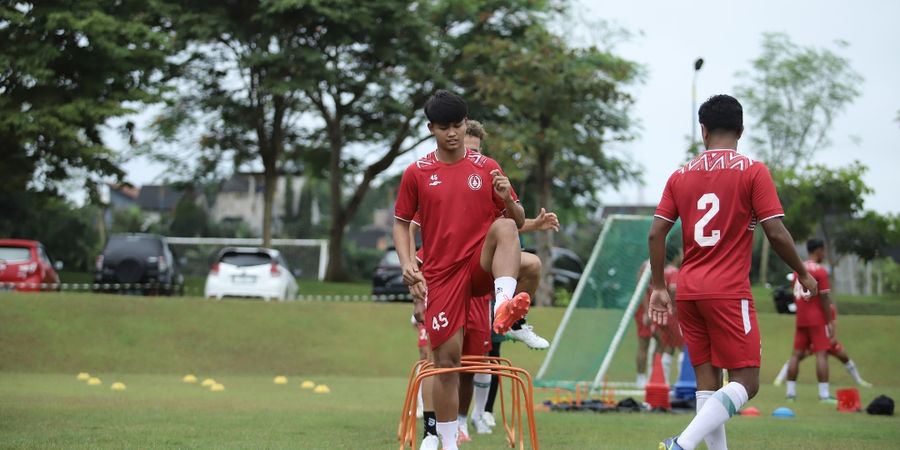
(567, 263)
(391, 258)
(13, 254)
(43, 256)
(245, 259)
(142, 245)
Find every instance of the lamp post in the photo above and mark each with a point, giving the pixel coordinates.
(697, 65)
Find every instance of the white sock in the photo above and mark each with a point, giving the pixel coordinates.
(504, 289)
(463, 423)
(824, 392)
(641, 380)
(482, 383)
(447, 432)
(723, 404)
(666, 365)
(421, 402)
(791, 388)
(715, 440)
(783, 373)
(853, 371)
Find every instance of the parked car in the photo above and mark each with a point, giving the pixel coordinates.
(566, 268)
(139, 263)
(250, 272)
(388, 277)
(25, 265)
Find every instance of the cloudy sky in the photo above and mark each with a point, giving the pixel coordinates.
(669, 36)
(727, 35)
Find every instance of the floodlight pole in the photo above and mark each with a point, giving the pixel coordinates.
(697, 65)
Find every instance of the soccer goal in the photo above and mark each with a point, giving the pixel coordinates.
(307, 256)
(601, 310)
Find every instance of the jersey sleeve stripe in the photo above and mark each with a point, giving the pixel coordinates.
(405, 220)
(771, 217)
(664, 218)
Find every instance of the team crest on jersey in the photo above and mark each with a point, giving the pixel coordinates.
(475, 182)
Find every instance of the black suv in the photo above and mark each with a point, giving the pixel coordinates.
(138, 262)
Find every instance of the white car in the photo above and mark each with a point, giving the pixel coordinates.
(250, 272)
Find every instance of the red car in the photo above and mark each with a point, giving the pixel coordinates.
(25, 265)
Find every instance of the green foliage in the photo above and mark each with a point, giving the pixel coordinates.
(66, 71)
(190, 219)
(552, 111)
(866, 236)
(128, 220)
(67, 231)
(820, 196)
(794, 93)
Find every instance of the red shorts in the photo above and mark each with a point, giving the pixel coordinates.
(723, 332)
(643, 331)
(450, 295)
(814, 338)
(477, 340)
(423, 335)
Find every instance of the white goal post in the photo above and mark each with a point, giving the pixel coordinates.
(322, 244)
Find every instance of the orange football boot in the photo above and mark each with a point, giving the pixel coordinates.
(511, 311)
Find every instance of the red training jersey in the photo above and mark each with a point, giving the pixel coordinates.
(809, 310)
(720, 196)
(456, 204)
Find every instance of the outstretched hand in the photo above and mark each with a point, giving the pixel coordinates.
(660, 307)
(546, 221)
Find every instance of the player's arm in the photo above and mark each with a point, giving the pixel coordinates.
(783, 244)
(411, 275)
(544, 221)
(413, 230)
(825, 302)
(660, 306)
(503, 188)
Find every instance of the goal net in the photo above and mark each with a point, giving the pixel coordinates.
(601, 312)
(308, 257)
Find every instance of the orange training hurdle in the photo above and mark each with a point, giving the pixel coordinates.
(521, 385)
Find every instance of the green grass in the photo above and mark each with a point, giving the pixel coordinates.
(361, 350)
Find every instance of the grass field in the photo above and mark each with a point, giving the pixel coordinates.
(362, 351)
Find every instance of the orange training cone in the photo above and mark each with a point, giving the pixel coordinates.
(656, 393)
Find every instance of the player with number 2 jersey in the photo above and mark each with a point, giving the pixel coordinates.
(720, 197)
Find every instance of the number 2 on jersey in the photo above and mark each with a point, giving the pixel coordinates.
(710, 201)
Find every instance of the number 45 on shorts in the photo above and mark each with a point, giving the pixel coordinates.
(439, 321)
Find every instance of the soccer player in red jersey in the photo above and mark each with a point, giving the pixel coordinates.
(720, 197)
(457, 194)
(816, 330)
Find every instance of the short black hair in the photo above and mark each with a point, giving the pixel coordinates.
(814, 244)
(722, 113)
(445, 107)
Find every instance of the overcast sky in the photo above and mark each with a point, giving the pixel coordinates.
(669, 36)
(727, 35)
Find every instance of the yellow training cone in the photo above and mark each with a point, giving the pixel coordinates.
(217, 388)
(208, 382)
(83, 376)
(118, 386)
(189, 379)
(308, 384)
(280, 379)
(94, 381)
(321, 389)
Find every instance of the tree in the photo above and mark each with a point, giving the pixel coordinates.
(66, 71)
(374, 80)
(793, 94)
(553, 111)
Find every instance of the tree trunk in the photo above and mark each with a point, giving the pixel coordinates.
(545, 291)
(268, 199)
(335, 270)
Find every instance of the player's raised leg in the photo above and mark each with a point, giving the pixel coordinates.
(501, 256)
(529, 279)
